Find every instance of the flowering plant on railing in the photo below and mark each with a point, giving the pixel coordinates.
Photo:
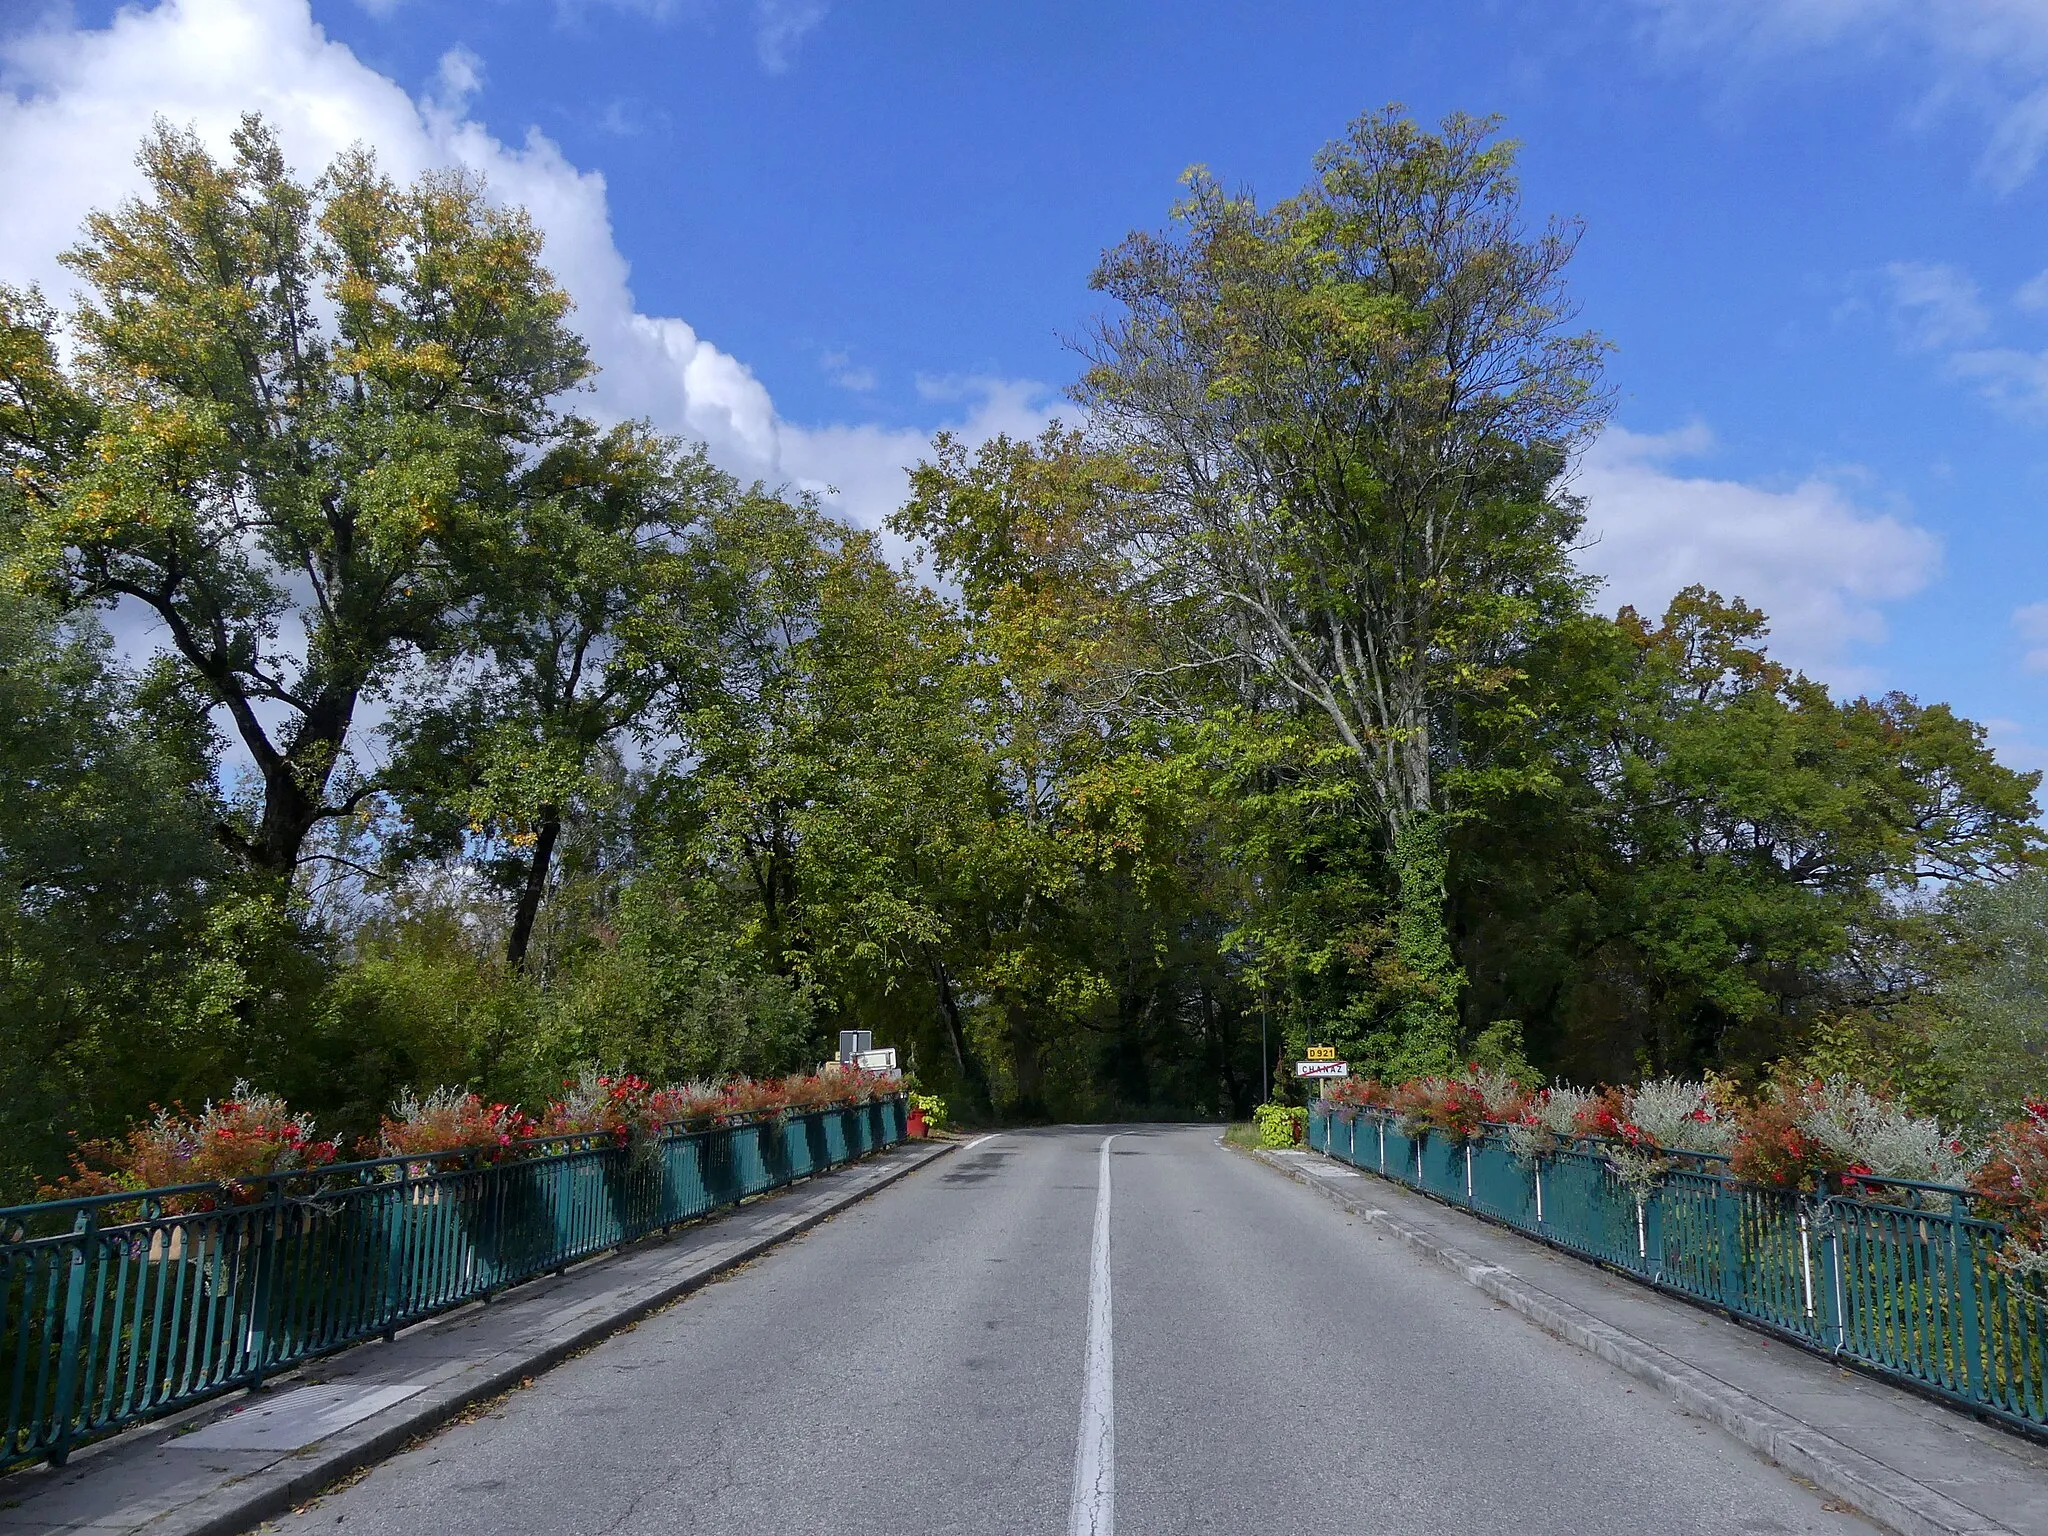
(1348, 1095)
(694, 1105)
(1830, 1133)
(1453, 1107)
(2013, 1181)
(756, 1098)
(1546, 1119)
(233, 1144)
(618, 1105)
(435, 1127)
(1630, 1152)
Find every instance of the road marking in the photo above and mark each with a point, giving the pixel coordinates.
(970, 1146)
(1093, 1510)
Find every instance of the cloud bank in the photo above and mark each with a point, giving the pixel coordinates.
(1818, 565)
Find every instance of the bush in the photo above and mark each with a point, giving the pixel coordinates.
(1546, 1119)
(2013, 1181)
(1683, 1115)
(1280, 1126)
(451, 1120)
(1355, 1093)
(932, 1107)
(1804, 1133)
(233, 1144)
(1456, 1107)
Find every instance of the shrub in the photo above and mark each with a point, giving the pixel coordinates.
(753, 1098)
(593, 1103)
(932, 1107)
(1280, 1125)
(1448, 1106)
(1547, 1117)
(1775, 1148)
(693, 1105)
(1355, 1093)
(2013, 1181)
(450, 1120)
(1801, 1134)
(233, 1143)
(1679, 1114)
(1878, 1135)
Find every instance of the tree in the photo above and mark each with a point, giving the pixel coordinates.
(110, 976)
(295, 433)
(1354, 408)
(559, 663)
(1711, 854)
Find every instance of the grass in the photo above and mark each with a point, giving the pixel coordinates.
(1243, 1134)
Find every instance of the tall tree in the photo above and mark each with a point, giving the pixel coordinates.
(557, 666)
(1707, 853)
(294, 433)
(1354, 408)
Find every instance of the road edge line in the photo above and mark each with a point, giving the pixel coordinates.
(1875, 1490)
(297, 1479)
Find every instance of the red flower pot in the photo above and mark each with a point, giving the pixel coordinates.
(917, 1128)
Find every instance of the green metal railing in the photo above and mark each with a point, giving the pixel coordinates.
(116, 1309)
(1898, 1277)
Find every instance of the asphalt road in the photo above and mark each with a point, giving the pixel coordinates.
(923, 1363)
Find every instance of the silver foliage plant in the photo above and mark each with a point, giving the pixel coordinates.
(1682, 1115)
(1551, 1116)
(1883, 1136)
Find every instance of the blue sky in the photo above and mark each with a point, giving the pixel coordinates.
(1811, 226)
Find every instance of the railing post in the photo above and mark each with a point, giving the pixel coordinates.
(1805, 1259)
(1963, 1266)
(1381, 1122)
(85, 1226)
(1728, 1207)
(260, 1281)
(1831, 1278)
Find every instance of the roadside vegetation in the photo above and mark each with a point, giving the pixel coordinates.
(458, 738)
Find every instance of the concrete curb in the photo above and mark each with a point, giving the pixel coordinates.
(1889, 1497)
(244, 1503)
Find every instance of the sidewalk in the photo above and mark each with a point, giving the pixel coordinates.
(1914, 1466)
(222, 1467)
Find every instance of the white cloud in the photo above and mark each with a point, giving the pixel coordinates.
(841, 369)
(1935, 305)
(1989, 55)
(2033, 293)
(75, 103)
(2014, 381)
(457, 79)
(779, 25)
(1819, 566)
(2031, 624)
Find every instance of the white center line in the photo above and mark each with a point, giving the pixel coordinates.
(970, 1146)
(1093, 1511)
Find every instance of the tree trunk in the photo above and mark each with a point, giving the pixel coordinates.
(972, 1078)
(534, 889)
